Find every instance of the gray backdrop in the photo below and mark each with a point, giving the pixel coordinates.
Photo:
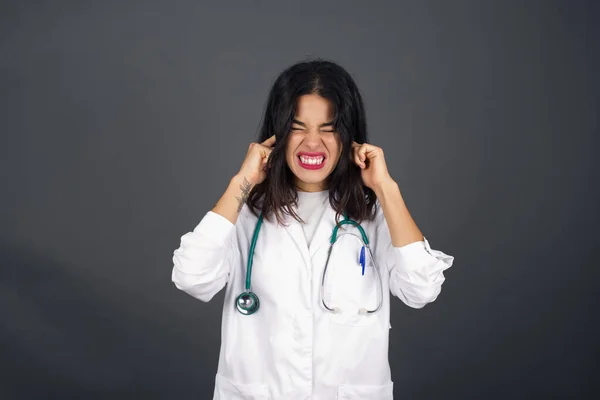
(122, 123)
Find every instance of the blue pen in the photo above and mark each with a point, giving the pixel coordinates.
(362, 259)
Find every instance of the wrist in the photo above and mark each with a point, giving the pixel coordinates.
(386, 186)
(242, 179)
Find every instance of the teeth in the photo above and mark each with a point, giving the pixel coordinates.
(312, 160)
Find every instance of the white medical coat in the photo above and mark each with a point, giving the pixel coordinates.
(292, 347)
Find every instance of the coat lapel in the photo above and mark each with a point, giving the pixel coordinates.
(324, 230)
(321, 236)
(294, 229)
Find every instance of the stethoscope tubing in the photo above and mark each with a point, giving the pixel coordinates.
(248, 302)
(375, 267)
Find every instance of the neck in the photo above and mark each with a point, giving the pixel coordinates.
(315, 187)
(311, 190)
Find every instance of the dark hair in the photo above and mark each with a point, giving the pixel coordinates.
(347, 193)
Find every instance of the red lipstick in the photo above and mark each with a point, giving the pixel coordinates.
(311, 154)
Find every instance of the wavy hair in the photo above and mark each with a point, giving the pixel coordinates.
(347, 193)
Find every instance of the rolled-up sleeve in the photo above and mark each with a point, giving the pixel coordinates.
(203, 261)
(416, 271)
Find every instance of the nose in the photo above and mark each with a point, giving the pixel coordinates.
(312, 139)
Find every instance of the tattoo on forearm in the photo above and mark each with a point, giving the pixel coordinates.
(245, 186)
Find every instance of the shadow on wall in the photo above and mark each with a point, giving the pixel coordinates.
(66, 336)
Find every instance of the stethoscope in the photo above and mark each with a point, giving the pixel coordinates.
(247, 302)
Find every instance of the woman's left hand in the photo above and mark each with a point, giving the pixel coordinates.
(370, 159)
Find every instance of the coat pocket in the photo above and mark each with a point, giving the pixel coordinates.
(347, 288)
(364, 392)
(226, 389)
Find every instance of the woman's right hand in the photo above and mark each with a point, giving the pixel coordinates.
(254, 167)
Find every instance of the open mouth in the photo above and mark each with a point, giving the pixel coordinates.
(311, 161)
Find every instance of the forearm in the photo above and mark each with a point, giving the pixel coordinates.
(231, 202)
(403, 229)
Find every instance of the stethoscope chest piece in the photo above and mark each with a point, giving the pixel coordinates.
(247, 303)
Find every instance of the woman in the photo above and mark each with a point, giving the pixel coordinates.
(318, 324)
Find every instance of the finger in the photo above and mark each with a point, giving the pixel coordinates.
(266, 156)
(269, 142)
(358, 162)
(371, 152)
(362, 149)
(362, 152)
(356, 157)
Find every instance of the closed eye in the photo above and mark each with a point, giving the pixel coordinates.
(302, 129)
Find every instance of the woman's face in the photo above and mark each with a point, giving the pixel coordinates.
(313, 148)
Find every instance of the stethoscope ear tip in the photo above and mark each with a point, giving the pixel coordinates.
(363, 311)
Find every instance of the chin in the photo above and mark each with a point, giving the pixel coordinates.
(314, 177)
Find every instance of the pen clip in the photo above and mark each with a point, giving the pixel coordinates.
(362, 259)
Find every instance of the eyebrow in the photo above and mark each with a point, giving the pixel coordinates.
(295, 121)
